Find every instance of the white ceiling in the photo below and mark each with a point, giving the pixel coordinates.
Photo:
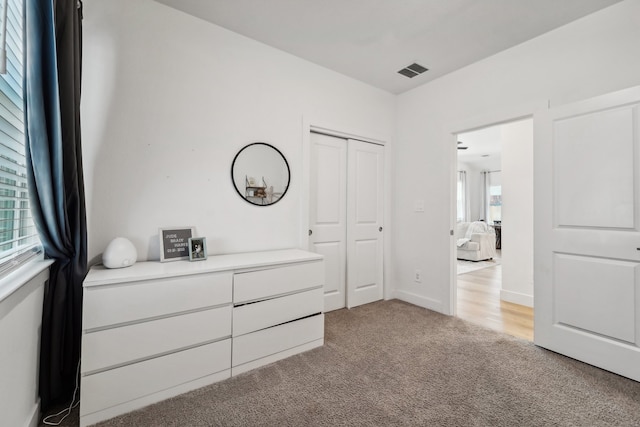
(481, 143)
(370, 40)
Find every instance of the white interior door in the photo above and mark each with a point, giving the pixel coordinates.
(365, 182)
(587, 231)
(328, 213)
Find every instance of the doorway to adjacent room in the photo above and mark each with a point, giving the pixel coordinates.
(494, 284)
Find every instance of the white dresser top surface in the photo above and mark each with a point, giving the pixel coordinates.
(147, 270)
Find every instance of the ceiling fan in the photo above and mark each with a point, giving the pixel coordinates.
(460, 147)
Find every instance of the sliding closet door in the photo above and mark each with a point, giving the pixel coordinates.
(345, 218)
(364, 222)
(328, 213)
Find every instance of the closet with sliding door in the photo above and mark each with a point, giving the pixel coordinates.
(346, 206)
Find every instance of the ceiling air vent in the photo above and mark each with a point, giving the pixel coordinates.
(413, 70)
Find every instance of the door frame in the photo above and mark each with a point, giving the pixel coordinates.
(309, 124)
(451, 131)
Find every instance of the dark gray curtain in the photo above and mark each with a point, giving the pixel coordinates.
(53, 35)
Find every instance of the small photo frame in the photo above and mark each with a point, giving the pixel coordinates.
(197, 248)
(174, 243)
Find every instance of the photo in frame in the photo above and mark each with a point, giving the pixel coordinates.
(174, 243)
(198, 248)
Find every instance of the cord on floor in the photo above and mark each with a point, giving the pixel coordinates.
(47, 420)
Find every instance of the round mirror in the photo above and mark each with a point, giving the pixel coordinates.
(260, 174)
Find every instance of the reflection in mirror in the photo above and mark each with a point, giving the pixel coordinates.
(260, 174)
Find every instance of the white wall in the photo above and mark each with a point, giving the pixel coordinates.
(517, 212)
(165, 94)
(20, 321)
(589, 57)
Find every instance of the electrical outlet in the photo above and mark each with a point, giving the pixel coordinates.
(418, 276)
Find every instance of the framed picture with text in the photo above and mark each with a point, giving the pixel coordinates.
(174, 243)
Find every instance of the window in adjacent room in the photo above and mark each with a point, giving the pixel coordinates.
(492, 195)
(495, 198)
(495, 203)
(462, 197)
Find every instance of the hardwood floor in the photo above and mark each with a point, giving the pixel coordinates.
(479, 302)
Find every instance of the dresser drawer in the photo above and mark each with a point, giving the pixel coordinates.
(263, 314)
(257, 285)
(267, 342)
(127, 302)
(116, 386)
(116, 346)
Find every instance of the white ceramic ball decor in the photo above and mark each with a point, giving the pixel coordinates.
(119, 253)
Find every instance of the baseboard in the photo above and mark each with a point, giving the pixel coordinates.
(420, 301)
(34, 419)
(516, 298)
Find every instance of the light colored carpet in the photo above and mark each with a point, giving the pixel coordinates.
(394, 364)
(469, 266)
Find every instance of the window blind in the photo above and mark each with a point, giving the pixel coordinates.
(18, 236)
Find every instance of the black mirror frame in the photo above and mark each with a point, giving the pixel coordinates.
(285, 162)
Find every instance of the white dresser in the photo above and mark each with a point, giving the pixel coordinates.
(155, 330)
